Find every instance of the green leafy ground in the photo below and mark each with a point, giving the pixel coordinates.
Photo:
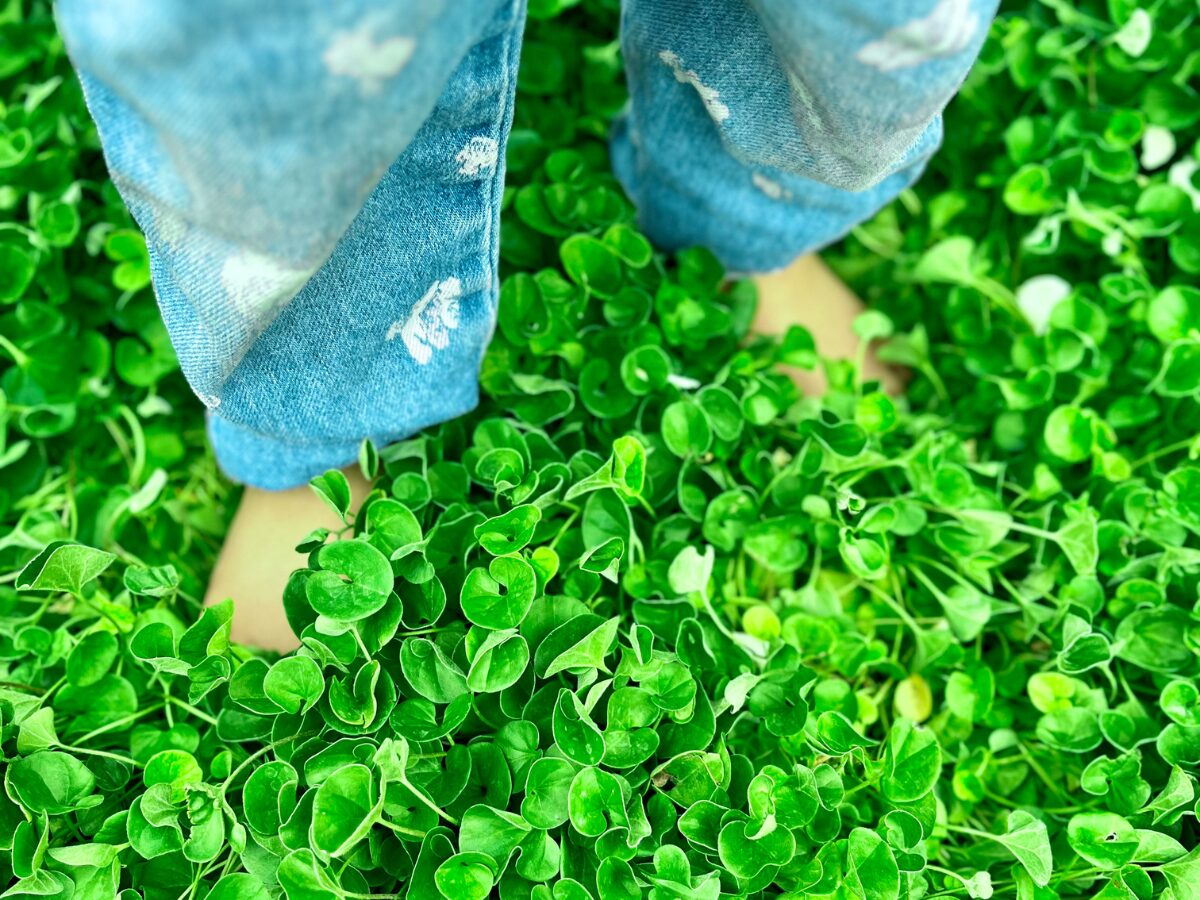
(647, 624)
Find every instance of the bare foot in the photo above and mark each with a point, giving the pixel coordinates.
(260, 553)
(807, 293)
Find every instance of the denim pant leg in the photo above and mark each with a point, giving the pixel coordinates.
(767, 128)
(319, 184)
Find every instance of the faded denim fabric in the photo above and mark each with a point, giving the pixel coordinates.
(319, 182)
(764, 129)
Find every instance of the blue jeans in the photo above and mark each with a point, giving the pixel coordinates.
(319, 182)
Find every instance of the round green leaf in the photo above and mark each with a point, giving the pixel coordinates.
(500, 596)
(345, 807)
(295, 684)
(1105, 840)
(1068, 433)
(353, 582)
(546, 787)
(686, 429)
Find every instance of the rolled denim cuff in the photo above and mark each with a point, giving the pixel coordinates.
(273, 463)
(754, 219)
(709, 216)
(279, 462)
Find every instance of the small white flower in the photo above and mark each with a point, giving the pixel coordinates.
(428, 326)
(357, 54)
(156, 405)
(1112, 243)
(712, 98)
(480, 153)
(1134, 36)
(1038, 296)
(1158, 146)
(683, 382)
(946, 31)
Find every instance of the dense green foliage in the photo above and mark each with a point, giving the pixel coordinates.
(648, 623)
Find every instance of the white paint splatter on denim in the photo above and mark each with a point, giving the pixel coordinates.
(711, 97)
(428, 326)
(479, 155)
(358, 54)
(255, 285)
(946, 31)
(771, 188)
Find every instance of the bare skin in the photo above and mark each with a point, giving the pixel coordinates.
(259, 552)
(807, 293)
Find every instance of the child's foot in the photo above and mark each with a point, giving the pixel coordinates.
(259, 552)
(807, 293)
(259, 555)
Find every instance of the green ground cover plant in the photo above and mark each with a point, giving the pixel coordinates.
(648, 623)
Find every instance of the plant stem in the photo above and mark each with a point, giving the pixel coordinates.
(129, 761)
(416, 792)
(198, 713)
(400, 829)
